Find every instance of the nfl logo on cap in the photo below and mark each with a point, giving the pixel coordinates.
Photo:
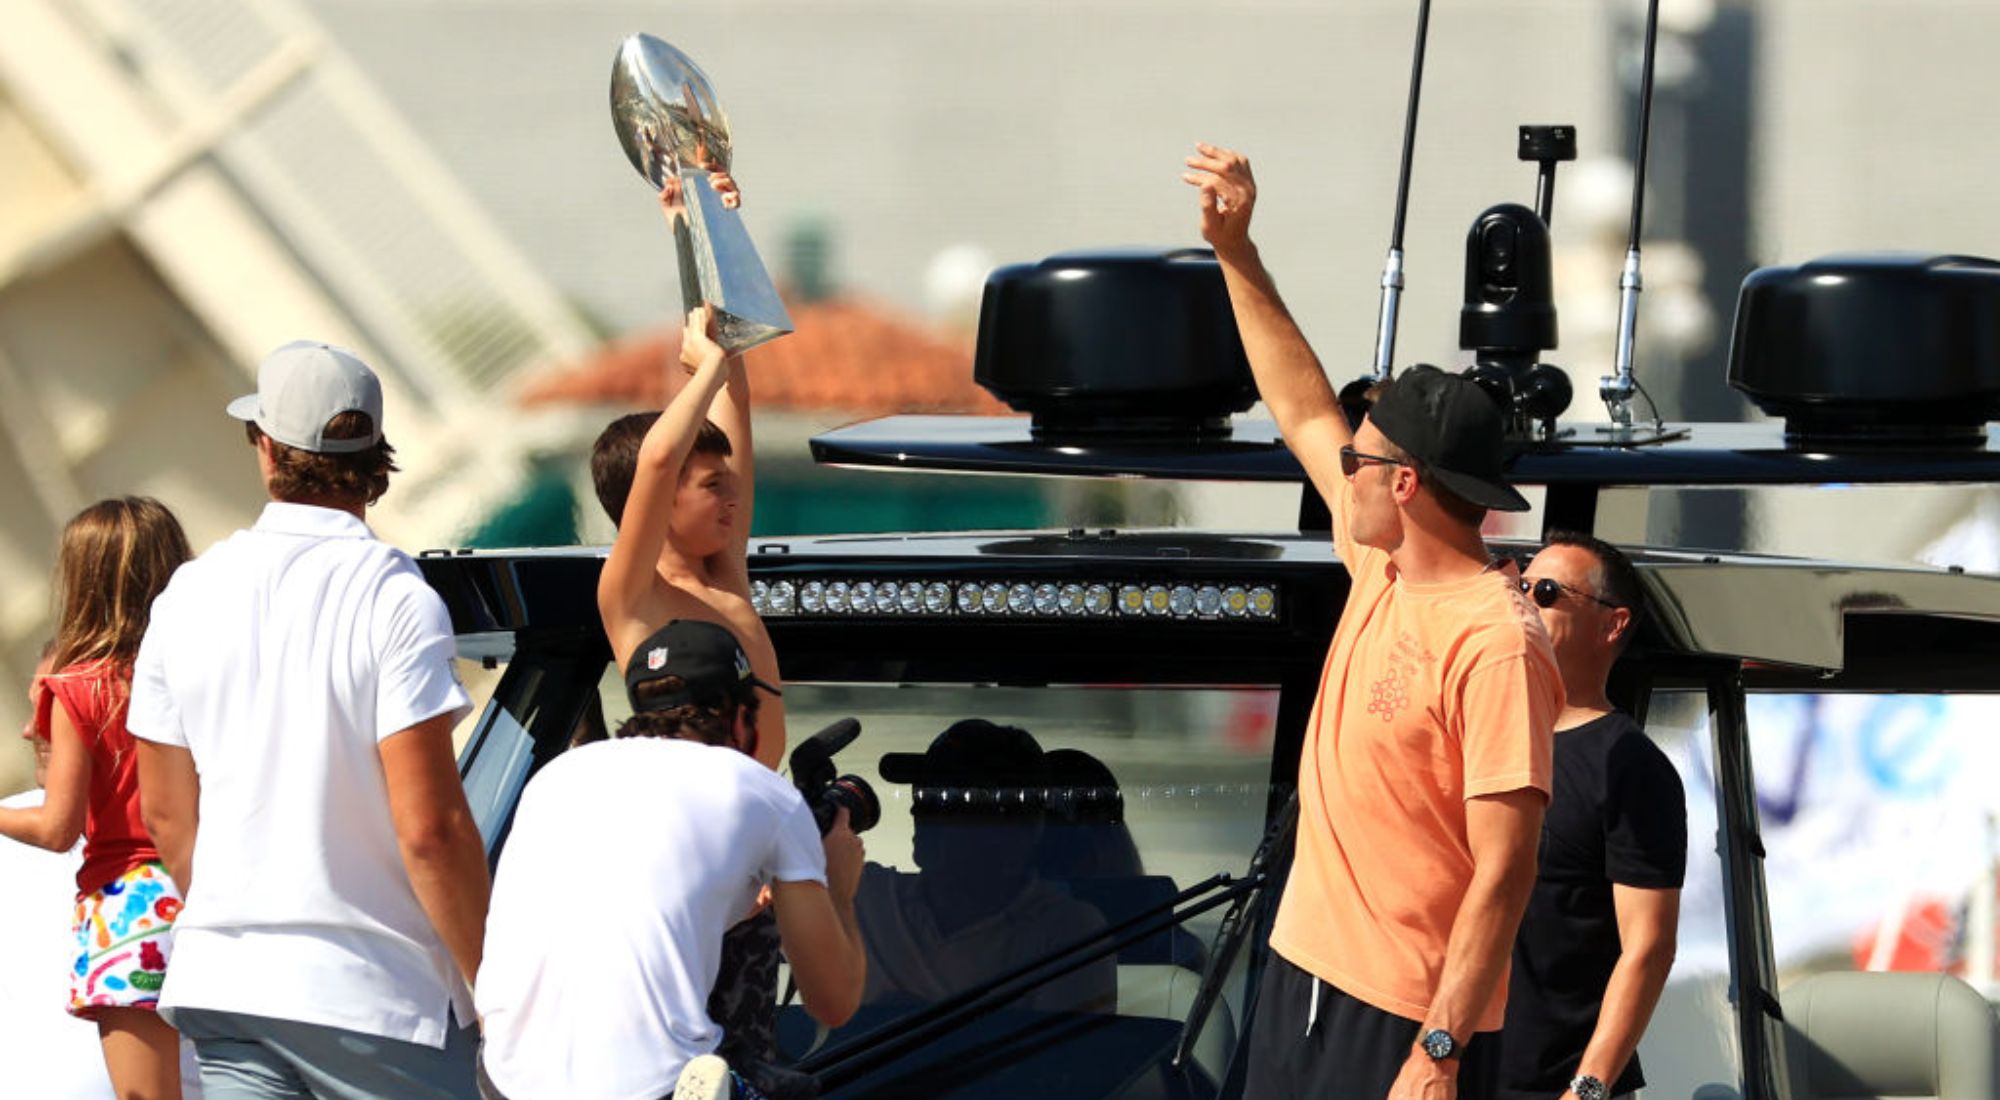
(656, 658)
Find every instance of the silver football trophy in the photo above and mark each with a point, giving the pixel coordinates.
(673, 130)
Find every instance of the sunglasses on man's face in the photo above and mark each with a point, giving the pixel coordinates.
(1545, 591)
(1352, 460)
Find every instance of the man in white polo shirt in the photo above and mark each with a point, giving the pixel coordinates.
(294, 701)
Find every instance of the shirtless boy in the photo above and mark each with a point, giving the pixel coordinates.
(680, 488)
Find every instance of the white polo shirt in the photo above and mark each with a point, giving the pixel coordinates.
(627, 863)
(279, 659)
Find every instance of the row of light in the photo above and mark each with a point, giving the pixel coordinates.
(1018, 599)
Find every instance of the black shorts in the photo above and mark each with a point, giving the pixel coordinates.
(1354, 1050)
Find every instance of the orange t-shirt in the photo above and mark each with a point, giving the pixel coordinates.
(1432, 694)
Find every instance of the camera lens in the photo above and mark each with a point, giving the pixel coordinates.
(864, 810)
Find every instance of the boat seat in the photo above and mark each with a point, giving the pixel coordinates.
(1873, 1035)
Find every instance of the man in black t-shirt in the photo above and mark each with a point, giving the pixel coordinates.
(1598, 939)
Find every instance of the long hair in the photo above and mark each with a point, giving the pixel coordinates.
(115, 557)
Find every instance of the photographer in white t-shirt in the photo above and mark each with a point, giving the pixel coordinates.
(627, 861)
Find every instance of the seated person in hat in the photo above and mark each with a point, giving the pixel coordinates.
(1085, 835)
(600, 957)
(976, 908)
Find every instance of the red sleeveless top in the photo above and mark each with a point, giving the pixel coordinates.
(94, 694)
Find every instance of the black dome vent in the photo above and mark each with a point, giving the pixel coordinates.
(1127, 343)
(1888, 348)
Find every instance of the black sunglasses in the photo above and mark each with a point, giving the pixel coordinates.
(1351, 460)
(1546, 591)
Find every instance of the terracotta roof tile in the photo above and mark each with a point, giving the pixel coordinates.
(846, 355)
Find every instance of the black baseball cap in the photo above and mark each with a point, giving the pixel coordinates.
(972, 752)
(705, 655)
(1448, 423)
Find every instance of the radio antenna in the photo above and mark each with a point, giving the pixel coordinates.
(1392, 268)
(1617, 390)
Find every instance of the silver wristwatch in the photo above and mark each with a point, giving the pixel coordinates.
(1438, 1043)
(1587, 1087)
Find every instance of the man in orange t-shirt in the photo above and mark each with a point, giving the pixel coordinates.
(1427, 758)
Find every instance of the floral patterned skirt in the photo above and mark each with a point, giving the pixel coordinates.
(124, 935)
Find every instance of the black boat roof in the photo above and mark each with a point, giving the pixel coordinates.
(1705, 454)
(1804, 620)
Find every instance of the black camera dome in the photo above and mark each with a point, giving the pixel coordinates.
(1886, 347)
(1138, 342)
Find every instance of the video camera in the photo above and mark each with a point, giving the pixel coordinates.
(825, 789)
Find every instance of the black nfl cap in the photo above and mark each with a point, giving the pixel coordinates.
(1455, 429)
(704, 655)
(972, 752)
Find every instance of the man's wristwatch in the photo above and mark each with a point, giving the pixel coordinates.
(1438, 1043)
(1587, 1087)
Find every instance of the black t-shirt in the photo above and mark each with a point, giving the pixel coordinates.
(1617, 815)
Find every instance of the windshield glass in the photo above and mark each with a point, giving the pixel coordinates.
(1017, 821)
(1879, 815)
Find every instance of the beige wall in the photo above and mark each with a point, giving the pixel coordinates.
(1024, 126)
(123, 399)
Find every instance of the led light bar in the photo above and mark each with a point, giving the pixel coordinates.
(896, 598)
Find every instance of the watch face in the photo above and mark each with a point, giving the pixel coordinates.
(1587, 1087)
(1438, 1043)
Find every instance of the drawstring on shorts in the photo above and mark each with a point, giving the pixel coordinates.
(1312, 1009)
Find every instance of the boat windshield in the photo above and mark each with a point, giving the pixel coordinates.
(1017, 822)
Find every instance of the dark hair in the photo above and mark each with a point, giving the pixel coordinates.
(1621, 579)
(308, 477)
(614, 458)
(709, 720)
(1451, 504)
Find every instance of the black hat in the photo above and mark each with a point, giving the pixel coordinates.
(972, 753)
(704, 655)
(1449, 424)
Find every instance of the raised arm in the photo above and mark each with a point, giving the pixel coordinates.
(731, 413)
(629, 571)
(1289, 376)
(1504, 831)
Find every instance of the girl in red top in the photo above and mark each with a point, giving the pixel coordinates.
(116, 555)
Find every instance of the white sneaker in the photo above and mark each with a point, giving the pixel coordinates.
(704, 1078)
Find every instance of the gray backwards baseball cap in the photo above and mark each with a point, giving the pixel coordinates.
(303, 385)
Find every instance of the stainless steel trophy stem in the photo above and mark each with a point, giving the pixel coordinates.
(675, 134)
